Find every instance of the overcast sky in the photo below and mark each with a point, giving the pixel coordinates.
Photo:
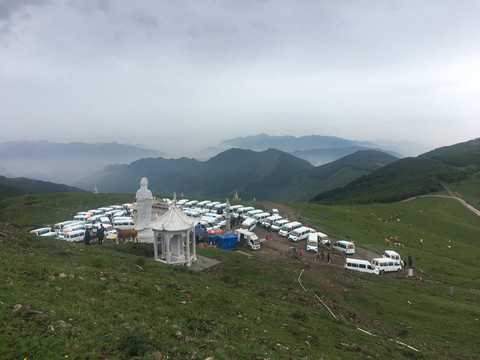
(195, 72)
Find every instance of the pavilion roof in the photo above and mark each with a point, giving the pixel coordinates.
(173, 220)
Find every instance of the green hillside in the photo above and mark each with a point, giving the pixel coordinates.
(411, 176)
(116, 302)
(33, 186)
(9, 191)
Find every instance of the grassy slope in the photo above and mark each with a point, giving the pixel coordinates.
(245, 308)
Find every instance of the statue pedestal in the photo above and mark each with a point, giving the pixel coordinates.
(410, 272)
(145, 236)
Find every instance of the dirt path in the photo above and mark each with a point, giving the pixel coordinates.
(277, 249)
(451, 195)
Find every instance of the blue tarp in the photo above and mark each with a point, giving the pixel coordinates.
(225, 242)
(200, 231)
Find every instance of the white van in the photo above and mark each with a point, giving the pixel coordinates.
(300, 234)
(41, 231)
(312, 242)
(277, 224)
(361, 265)
(241, 213)
(82, 216)
(74, 236)
(249, 224)
(262, 216)
(323, 239)
(346, 247)
(123, 223)
(289, 227)
(270, 220)
(59, 226)
(386, 265)
(390, 254)
(252, 213)
(203, 204)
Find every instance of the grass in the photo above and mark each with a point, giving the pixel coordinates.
(120, 303)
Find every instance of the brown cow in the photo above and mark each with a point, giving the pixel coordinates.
(125, 235)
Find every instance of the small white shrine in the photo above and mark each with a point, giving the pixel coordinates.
(177, 233)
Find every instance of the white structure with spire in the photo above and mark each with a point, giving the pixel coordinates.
(177, 232)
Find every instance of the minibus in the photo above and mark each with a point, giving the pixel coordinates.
(270, 220)
(361, 265)
(390, 254)
(249, 224)
(41, 231)
(323, 239)
(346, 247)
(191, 204)
(182, 202)
(243, 211)
(251, 213)
(386, 265)
(289, 227)
(277, 224)
(123, 223)
(300, 234)
(312, 242)
(59, 226)
(203, 204)
(261, 216)
(74, 236)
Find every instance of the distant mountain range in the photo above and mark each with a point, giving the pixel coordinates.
(269, 174)
(64, 163)
(316, 149)
(20, 186)
(411, 176)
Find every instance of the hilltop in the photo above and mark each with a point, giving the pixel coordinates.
(412, 176)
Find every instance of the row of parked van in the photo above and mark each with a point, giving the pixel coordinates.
(112, 218)
(389, 262)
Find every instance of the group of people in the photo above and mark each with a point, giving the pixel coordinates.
(317, 258)
(100, 236)
(268, 238)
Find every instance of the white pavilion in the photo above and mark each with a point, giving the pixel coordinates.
(177, 232)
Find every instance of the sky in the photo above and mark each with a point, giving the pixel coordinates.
(179, 75)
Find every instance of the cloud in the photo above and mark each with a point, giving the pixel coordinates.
(215, 69)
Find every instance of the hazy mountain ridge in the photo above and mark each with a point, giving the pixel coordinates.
(316, 149)
(64, 162)
(269, 174)
(410, 176)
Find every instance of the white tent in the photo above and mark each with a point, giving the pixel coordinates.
(177, 232)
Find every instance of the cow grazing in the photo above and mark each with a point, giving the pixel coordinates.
(126, 235)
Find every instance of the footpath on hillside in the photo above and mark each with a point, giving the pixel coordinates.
(451, 195)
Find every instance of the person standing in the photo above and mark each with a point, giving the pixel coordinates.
(409, 262)
(318, 256)
(100, 235)
(328, 258)
(87, 237)
(301, 252)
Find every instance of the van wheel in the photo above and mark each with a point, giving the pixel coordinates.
(398, 270)
(382, 272)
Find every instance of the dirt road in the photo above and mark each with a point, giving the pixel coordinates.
(277, 249)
